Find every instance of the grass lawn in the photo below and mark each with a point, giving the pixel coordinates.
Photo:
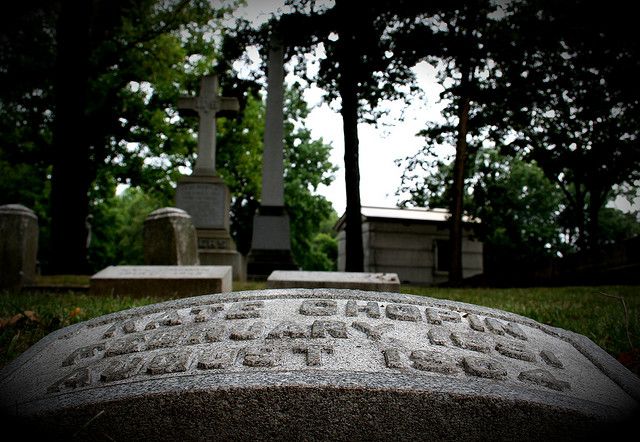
(608, 315)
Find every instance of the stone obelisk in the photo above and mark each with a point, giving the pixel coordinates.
(271, 241)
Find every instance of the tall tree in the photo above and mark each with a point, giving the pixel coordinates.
(568, 98)
(455, 33)
(108, 114)
(359, 69)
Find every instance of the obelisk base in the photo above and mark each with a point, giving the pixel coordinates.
(271, 243)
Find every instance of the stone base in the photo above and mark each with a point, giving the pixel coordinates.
(261, 263)
(233, 258)
(169, 281)
(380, 282)
(270, 244)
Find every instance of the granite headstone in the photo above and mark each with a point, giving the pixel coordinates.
(170, 238)
(18, 245)
(317, 365)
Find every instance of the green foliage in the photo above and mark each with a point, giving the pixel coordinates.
(140, 56)
(117, 228)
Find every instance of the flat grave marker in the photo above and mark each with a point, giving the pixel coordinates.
(382, 282)
(171, 281)
(317, 364)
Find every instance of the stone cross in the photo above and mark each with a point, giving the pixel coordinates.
(207, 104)
(273, 163)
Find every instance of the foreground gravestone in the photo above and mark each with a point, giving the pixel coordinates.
(169, 281)
(170, 238)
(18, 245)
(316, 364)
(381, 282)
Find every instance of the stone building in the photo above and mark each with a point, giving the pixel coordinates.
(414, 243)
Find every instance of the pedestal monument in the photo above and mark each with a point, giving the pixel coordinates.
(271, 240)
(203, 194)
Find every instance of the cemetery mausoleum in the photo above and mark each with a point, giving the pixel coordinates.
(414, 243)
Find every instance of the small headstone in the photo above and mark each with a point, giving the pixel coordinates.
(289, 279)
(18, 246)
(317, 365)
(169, 281)
(170, 238)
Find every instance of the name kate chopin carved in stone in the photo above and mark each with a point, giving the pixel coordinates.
(329, 334)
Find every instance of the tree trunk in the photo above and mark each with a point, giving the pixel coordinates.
(348, 89)
(457, 194)
(70, 180)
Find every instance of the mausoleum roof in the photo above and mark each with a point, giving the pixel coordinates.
(418, 214)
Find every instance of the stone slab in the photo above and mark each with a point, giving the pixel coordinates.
(382, 282)
(317, 365)
(171, 281)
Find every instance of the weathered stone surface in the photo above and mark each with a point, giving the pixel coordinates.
(170, 281)
(316, 365)
(18, 245)
(382, 282)
(170, 238)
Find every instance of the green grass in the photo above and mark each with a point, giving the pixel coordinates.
(596, 312)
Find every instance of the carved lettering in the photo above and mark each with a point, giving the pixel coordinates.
(336, 329)
(433, 361)
(259, 357)
(169, 362)
(373, 332)
(371, 309)
(471, 341)
(392, 358)
(216, 360)
(319, 307)
(289, 329)
(475, 323)
(215, 333)
(483, 367)
(494, 326)
(165, 339)
(514, 330)
(76, 379)
(203, 314)
(171, 319)
(544, 378)
(435, 316)
(128, 344)
(313, 353)
(437, 336)
(199, 333)
(243, 333)
(550, 359)
(83, 353)
(121, 368)
(515, 350)
(246, 310)
(129, 326)
(403, 312)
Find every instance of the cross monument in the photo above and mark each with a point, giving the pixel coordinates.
(208, 104)
(203, 194)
